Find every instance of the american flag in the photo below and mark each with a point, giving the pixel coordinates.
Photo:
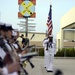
(49, 21)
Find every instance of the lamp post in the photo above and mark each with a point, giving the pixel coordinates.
(26, 27)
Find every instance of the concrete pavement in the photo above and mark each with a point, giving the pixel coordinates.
(66, 65)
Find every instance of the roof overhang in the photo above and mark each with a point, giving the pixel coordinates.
(69, 29)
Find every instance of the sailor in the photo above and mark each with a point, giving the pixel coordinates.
(22, 53)
(16, 44)
(25, 41)
(50, 51)
(3, 70)
(7, 69)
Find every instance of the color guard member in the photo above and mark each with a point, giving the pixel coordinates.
(50, 51)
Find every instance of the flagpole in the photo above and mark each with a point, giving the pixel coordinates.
(50, 2)
(51, 7)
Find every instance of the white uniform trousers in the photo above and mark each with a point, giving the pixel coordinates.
(45, 58)
(49, 60)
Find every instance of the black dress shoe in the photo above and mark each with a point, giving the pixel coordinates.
(49, 71)
(44, 67)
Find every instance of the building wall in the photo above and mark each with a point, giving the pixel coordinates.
(36, 40)
(69, 36)
(58, 40)
(66, 20)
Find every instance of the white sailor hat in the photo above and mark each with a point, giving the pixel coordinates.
(14, 33)
(9, 26)
(2, 26)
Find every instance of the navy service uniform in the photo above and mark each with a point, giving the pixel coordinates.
(4, 70)
(49, 55)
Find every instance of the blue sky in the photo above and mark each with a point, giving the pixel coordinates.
(9, 10)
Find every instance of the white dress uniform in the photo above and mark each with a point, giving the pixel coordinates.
(44, 45)
(49, 55)
(3, 54)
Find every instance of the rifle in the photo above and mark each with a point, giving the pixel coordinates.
(32, 36)
(26, 73)
(28, 47)
(27, 57)
(21, 49)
